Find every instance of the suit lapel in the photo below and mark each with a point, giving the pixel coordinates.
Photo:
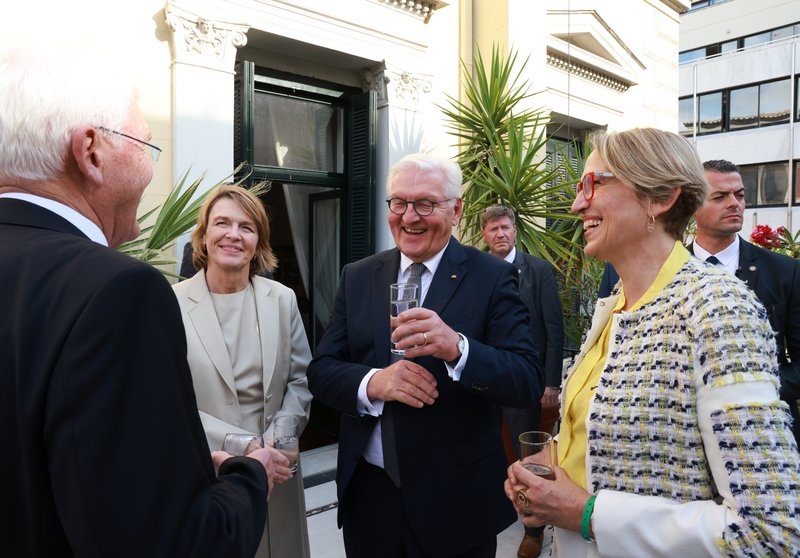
(20, 212)
(451, 272)
(267, 314)
(205, 322)
(383, 275)
(748, 264)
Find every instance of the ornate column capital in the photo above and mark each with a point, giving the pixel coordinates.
(397, 88)
(202, 41)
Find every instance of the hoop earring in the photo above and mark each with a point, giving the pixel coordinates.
(651, 219)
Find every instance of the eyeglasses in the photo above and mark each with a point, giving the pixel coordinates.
(422, 207)
(154, 150)
(587, 183)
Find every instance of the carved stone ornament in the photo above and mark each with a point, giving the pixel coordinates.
(406, 90)
(376, 80)
(202, 41)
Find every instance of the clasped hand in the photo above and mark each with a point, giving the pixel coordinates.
(558, 502)
(274, 462)
(421, 332)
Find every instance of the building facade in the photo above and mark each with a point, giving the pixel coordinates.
(738, 98)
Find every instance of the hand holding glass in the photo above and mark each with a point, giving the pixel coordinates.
(402, 297)
(241, 444)
(286, 434)
(539, 444)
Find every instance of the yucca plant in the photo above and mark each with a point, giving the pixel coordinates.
(503, 148)
(175, 217)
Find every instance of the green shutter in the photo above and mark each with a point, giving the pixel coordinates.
(243, 129)
(360, 203)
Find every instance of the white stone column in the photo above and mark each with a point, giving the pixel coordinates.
(403, 98)
(203, 56)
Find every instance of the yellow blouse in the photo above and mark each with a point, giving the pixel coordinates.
(579, 390)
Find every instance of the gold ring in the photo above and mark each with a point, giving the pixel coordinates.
(522, 498)
(424, 338)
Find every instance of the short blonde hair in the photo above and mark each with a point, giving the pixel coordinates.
(264, 259)
(657, 162)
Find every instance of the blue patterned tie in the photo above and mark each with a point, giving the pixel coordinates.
(712, 260)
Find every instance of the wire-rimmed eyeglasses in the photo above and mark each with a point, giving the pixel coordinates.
(422, 207)
(587, 183)
(154, 150)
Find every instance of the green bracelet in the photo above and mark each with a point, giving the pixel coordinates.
(587, 516)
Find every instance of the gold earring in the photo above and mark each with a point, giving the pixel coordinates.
(651, 219)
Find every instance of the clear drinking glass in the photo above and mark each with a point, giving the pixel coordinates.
(402, 297)
(541, 445)
(287, 438)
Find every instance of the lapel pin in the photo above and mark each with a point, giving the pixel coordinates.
(453, 276)
(752, 268)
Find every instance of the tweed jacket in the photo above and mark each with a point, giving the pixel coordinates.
(690, 450)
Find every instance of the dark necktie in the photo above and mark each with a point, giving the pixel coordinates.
(713, 260)
(388, 444)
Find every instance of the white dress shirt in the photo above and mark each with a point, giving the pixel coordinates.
(728, 258)
(87, 227)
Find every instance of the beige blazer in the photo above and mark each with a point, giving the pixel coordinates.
(285, 355)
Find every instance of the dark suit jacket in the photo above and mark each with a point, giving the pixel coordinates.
(451, 459)
(538, 290)
(608, 281)
(105, 454)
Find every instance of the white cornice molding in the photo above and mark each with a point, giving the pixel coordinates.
(421, 8)
(200, 40)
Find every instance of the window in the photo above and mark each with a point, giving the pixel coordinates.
(759, 39)
(753, 106)
(710, 113)
(690, 55)
(744, 108)
(774, 103)
(687, 119)
(765, 184)
(729, 46)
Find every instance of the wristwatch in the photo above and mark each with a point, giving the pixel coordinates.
(462, 343)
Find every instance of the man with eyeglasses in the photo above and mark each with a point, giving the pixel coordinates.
(106, 454)
(421, 461)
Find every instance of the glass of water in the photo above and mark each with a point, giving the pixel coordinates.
(241, 444)
(402, 297)
(287, 438)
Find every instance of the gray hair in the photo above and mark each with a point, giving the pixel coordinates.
(425, 162)
(495, 212)
(49, 92)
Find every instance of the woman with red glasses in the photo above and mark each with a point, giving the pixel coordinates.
(673, 441)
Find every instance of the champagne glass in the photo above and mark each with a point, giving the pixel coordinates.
(541, 445)
(286, 435)
(402, 297)
(241, 444)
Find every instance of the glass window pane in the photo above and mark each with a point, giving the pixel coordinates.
(783, 32)
(750, 180)
(796, 183)
(759, 39)
(729, 46)
(774, 182)
(690, 55)
(710, 112)
(774, 102)
(744, 108)
(686, 118)
(298, 133)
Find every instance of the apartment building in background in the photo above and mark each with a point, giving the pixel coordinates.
(739, 99)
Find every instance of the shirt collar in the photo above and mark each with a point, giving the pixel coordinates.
(431, 264)
(728, 258)
(511, 255)
(87, 227)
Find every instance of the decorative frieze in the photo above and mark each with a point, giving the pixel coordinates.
(591, 74)
(397, 88)
(201, 41)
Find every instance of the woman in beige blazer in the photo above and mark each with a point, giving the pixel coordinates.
(247, 347)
